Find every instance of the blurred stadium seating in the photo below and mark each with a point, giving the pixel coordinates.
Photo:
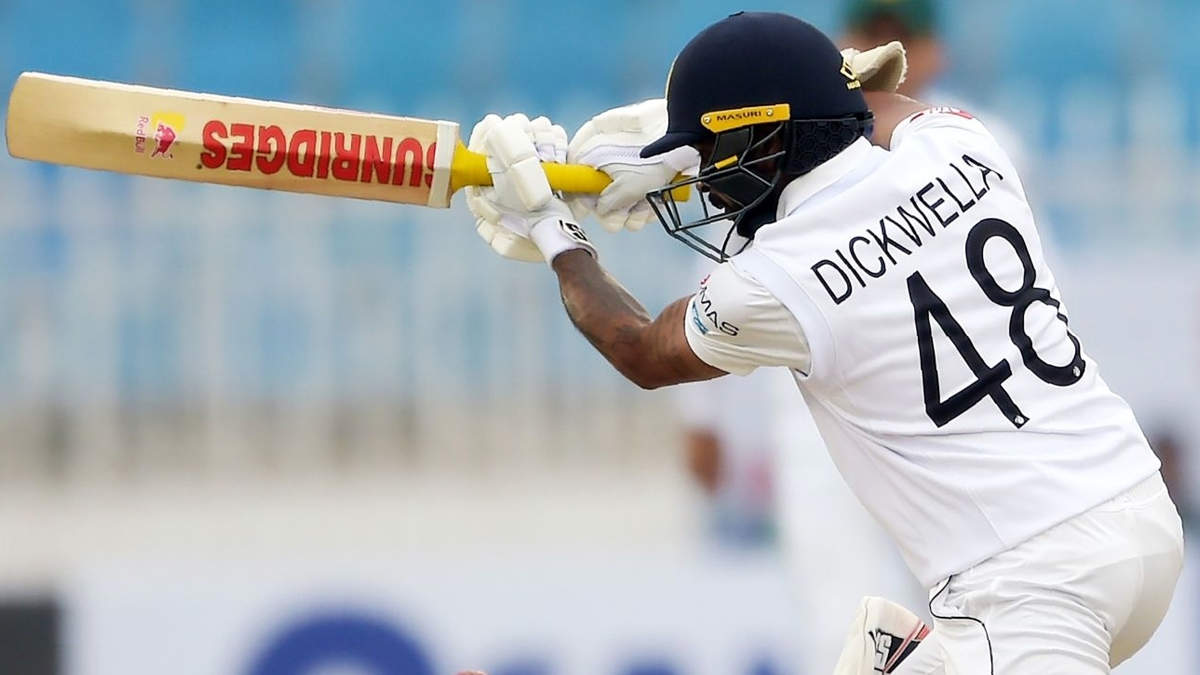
(148, 323)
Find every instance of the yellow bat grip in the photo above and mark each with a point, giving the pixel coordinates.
(576, 178)
(470, 168)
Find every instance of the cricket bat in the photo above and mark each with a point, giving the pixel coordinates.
(250, 143)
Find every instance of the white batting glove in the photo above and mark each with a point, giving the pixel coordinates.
(611, 142)
(880, 638)
(879, 69)
(520, 216)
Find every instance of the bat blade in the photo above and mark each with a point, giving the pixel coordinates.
(232, 141)
(209, 138)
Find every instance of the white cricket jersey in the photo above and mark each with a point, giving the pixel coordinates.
(907, 292)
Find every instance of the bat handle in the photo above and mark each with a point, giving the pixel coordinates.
(576, 178)
(470, 168)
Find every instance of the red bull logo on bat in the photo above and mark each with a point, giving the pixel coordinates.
(158, 132)
(164, 138)
(313, 153)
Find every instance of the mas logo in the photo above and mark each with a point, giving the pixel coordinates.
(159, 131)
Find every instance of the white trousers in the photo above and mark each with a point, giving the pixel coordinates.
(1077, 599)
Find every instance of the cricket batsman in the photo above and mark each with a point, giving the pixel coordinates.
(882, 250)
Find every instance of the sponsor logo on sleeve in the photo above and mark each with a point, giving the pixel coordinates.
(703, 305)
(944, 110)
(696, 320)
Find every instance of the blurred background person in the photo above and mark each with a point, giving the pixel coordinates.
(916, 24)
(730, 452)
(1167, 444)
(867, 23)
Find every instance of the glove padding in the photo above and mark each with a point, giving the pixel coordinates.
(611, 142)
(879, 69)
(520, 216)
(882, 635)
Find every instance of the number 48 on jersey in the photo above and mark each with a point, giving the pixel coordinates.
(989, 379)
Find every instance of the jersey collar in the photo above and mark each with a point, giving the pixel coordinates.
(841, 165)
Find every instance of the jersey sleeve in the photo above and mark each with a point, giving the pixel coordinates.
(735, 324)
(938, 119)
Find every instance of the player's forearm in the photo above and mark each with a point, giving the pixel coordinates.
(651, 353)
(607, 314)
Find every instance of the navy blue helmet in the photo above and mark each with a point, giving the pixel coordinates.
(766, 97)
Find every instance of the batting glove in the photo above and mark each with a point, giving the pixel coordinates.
(879, 69)
(882, 635)
(611, 142)
(520, 216)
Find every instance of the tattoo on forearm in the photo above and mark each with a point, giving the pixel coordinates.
(651, 352)
(607, 314)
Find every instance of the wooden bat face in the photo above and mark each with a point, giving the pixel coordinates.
(209, 138)
(231, 141)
